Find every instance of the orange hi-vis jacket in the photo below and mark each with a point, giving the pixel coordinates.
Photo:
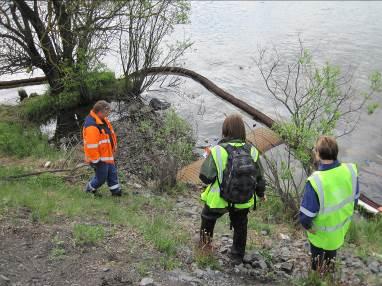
(100, 141)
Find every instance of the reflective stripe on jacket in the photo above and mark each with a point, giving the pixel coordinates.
(100, 140)
(336, 192)
(211, 195)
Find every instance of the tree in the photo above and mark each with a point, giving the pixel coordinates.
(317, 99)
(142, 40)
(57, 36)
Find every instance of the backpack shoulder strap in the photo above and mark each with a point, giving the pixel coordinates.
(229, 148)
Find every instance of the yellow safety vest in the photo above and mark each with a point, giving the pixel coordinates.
(211, 195)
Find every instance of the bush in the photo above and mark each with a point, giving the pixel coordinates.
(78, 90)
(174, 143)
(16, 140)
(317, 99)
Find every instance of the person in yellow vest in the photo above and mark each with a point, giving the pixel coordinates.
(327, 207)
(234, 176)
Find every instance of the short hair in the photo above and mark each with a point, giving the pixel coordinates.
(101, 106)
(233, 127)
(327, 148)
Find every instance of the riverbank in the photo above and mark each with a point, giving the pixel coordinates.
(52, 233)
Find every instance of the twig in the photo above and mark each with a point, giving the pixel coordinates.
(44, 172)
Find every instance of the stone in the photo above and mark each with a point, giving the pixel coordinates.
(189, 212)
(105, 269)
(241, 268)
(264, 232)
(158, 104)
(287, 267)
(4, 278)
(47, 164)
(247, 258)
(260, 264)
(199, 273)
(374, 267)
(267, 244)
(147, 281)
(284, 236)
(224, 249)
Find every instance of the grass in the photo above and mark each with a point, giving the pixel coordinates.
(315, 279)
(20, 142)
(50, 200)
(88, 234)
(58, 251)
(204, 259)
(366, 234)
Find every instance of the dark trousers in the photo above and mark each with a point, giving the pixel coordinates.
(322, 260)
(104, 173)
(239, 222)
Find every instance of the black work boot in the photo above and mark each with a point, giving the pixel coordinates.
(235, 256)
(116, 194)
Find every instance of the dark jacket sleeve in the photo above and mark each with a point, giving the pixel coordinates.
(208, 172)
(260, 186)
(310, 206)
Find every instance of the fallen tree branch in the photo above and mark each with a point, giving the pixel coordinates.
(255, 113)
(43, 172)
(23, 82)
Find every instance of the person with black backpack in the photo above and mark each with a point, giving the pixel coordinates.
(234, 176)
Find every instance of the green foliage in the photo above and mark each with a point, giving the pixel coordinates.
(78, 89)
(366, 234)
(49, 199)
(170, 144)
(372, 107)
(176, 137)
(16, 140)
(317, 98)
(84, 234)
(313, 279)
(42, 108)
(205, 258)
(58, 250)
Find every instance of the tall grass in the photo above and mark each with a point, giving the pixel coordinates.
(18, 141)
(366, 233)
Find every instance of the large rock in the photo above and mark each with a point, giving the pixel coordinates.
(158, 104)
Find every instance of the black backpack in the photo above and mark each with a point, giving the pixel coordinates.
(239, 177)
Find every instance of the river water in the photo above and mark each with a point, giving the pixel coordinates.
(226, 37)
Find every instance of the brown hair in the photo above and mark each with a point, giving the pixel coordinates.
(327, 148)
(233, 127)
(101, 106)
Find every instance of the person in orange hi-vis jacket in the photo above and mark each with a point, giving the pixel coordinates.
(100, 146)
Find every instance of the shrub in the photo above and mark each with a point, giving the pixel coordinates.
(175, 139)
(316, 99)
(88, 87)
